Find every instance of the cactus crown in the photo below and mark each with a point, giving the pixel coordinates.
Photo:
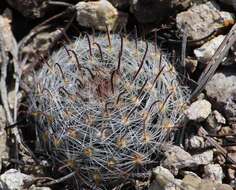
(104, 107)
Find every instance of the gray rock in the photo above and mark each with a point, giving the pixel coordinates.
(195, 142)
(223, 187)
(201, 20)
(99, 14)
(203, 158)
(6, 32)
(177, 158)
(206, 184)
(14, 180)
(162, 176)
(198, 110)
(149, 11)
(226, 130)
(219, 158)
(191, 182)
(176, 185)
(231, 172)
(213, 172)
(164, 180)
(221, 90)
(207, 50)
(3, 137)
(214, 122)
(219, 117)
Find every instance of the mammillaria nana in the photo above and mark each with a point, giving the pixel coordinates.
(104, 106)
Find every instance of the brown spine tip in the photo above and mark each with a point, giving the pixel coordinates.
(76, 58)
(108, 35)
(61, 71)
(142, 62)
(89, 43)
(100, 50)
(120, 53)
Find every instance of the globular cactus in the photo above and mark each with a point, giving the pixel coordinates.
(104, 106)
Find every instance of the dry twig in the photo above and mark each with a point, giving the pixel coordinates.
(8, 46)
(215, 61)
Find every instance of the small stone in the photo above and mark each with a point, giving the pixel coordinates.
(177, 158)
(232, 183)
(207, 50)
(14, 180)
(214, 122)
(225, 131)
(223, 187)
(198, 110)
(201, 20)
(231, 173)
(176, 185)
(163, 176)
(9, 40)
(99, 14)
(164, 180)
(191, 182)
(195, 142)
(213, 172)
(219, 158)
(219, 117)
(201, 96)
(3, 120)
(221, 90)
(233, 127)
(203, 158)
(206, 185)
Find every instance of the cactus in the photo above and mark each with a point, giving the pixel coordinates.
(104, 106)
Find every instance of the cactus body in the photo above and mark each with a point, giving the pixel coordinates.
(103, 108)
